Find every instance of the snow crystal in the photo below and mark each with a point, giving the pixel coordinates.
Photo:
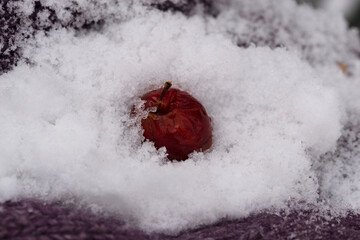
(268, 79)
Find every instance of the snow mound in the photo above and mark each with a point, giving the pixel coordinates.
(278, 103)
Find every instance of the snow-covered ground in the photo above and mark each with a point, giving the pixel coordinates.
(285, 116)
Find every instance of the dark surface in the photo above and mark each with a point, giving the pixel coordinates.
(187, 6)
(37, 220)
(29, 219)
(10, 24)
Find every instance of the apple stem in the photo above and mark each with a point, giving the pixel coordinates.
(166, 88)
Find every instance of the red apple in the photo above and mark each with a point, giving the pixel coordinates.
(179, 123)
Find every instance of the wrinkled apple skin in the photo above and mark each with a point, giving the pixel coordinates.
(180, 123)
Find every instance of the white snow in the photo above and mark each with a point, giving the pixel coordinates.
(345, 6)
(66, 130)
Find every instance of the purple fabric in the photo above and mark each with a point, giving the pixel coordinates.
(29, 219)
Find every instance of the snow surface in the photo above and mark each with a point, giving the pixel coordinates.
(345, 7)
(279, 103)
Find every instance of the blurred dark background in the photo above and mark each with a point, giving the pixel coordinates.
(349, 8)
